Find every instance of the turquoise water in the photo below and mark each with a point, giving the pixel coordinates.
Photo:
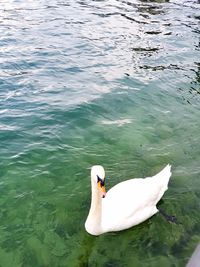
(110, 82)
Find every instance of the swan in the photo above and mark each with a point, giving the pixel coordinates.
(126, 204)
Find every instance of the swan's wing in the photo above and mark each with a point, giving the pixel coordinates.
(128, 196)
(130, 200)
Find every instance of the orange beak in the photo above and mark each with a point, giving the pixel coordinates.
(102, 189)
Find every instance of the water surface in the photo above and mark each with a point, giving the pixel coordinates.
(110, 82)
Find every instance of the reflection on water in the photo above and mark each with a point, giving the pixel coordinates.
(96, 82)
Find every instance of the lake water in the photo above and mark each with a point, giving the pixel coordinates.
(109, 82)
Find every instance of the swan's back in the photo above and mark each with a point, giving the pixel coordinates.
(132, 188)
(133, 201)
(163, 177)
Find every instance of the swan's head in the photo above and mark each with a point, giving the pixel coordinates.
(98, 176)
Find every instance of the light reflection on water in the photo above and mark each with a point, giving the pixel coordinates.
(96, 82)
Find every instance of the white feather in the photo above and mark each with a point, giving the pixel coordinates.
(127, 203)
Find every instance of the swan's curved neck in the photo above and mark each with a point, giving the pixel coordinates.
(93, 222)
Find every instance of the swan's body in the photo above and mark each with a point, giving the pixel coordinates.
(126, 204)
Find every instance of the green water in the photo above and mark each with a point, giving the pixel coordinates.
(102, 82)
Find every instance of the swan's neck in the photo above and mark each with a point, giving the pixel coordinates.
(93, 222)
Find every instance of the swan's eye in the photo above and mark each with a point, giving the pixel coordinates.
(102, 182)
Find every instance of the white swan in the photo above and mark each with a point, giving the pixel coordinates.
(126, 204)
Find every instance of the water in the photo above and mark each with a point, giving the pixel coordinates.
(97, 82)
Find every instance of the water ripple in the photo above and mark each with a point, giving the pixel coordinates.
(96, 82)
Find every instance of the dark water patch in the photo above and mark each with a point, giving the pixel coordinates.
(133, 19)
(107, 14)
(153, 32)
(157, 68)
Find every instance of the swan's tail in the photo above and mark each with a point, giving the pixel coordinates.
(164, 176)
